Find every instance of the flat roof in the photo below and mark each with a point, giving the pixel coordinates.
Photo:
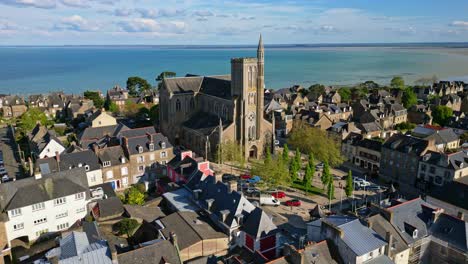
(180, 199)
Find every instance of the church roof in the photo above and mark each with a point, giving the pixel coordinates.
(205, 123)
(219, 85)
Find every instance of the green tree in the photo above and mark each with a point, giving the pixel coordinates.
(331, 189)
(268, 156)
(307, 180)
(232, 152)
(464, 138)
(313, 140)
(274, 172)
(134, 196)
(409, 98)
(294, 168)
(442, 114)
(154, 113)
(297, 157)
(397, 82)
(349, 184)
(137, 84)
(126, 226)
(285, 154)
(405, 126)
(30, 118)
(113, 108)
(316, 90)
(325, 178)
(345, 93)
(95, 96)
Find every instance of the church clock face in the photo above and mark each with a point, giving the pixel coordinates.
(251, 116)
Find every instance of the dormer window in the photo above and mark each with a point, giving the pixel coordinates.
(106, 163)
(140, 149)
(80, 165)
(415, 233)
(122, 160)
(163, 144)
(151, 146)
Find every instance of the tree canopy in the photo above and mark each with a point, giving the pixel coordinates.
(326, 176)
(397, 82)
(230, 151)
(126, 226)
(442, 114)
(409, 98)
(345, 93)
(313, 140)
(30, 118)
(95, 96)
(137, 84)
(349, 184)
(133, 196)
(316, 90)
(272, 170)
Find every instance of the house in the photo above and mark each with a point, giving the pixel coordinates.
(452, 101)
(195, 237)
(420, 114)
(103, 135)
(43, 204)
(80, 247)
(398, 112)
(355, 242)
(118, 95)
(397, 250)
(438, 168)
(43, 143)
(161, 251)
(79, 108)
(146, 150)
(431, 235)
(13, 106)
(318, 253)
(115, 166)
(86, 159)
(314, 119)
(371, 129)
(109, 208)
(349, 146)
(400, 158)
(142, 214)
(451, 196)
(101, 118)
(342, 129)
(368, 155)
(184, 165)
(333, 97)
(445, 139)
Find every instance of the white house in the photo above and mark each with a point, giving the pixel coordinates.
(39, 205)
(44, 143)
(86, 159)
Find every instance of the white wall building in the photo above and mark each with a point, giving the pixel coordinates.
(43, 204)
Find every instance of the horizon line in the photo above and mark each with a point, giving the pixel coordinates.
(344, 44)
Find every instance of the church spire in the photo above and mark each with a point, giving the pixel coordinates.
(260, 43)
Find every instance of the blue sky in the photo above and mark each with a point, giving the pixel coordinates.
(159, 22)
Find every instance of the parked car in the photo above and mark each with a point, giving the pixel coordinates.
(254, 179)
(252, 190)
(277, 194)
(269, 200)
(228, 177)
(293, 202)
(245, 176)
(319, 166)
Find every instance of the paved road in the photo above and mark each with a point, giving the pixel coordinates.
(10, 154)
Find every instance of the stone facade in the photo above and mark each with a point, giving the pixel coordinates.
(200, 112)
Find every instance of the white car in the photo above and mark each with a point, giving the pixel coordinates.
(269, 200)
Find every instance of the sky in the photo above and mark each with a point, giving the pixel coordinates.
(231, 22)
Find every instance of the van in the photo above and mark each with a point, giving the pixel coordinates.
(269, 200)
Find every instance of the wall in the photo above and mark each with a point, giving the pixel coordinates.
(117, 175)
(49, 212)
(94, 177)
(401, 257)
(103, 119)
(148, 171)
(50, 149)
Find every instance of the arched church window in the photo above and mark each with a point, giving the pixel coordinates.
(254, 132)
(177, 105)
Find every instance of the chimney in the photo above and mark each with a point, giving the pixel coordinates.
(232, 186)
(173, 238)
(209, 203)
(37, 174)
(150, 138)
(461, 215)
(389, 238)
(436, 213)
(125, 143)
(224, 215)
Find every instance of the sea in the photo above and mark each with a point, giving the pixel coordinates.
(73, 69)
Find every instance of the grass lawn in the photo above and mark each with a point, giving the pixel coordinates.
(312, 189)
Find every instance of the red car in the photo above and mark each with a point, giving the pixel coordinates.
(294, 202)
(245, 176)
(278, 195)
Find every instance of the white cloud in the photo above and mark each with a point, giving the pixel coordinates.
(46, 4)
(122, 12)
(155, 13)
(150, 25)
(459, 24)
(76, 3)
(76, 23)
(203, 13)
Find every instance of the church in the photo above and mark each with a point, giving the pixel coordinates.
(200, 112)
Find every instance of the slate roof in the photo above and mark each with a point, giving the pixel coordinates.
(112, 154)
(382, 259)
(190, 228)
(180, 199)
(29, 191)
(318, 253)
(148, 214)
(358, 237)
(183, 84)
(93, 134)
(451, 229)
(258, 224)
(205, 123)
(370, 144)
(380, 225)
(369, 127)
(75, 248)
(142, 139)
(160, 252)
(410, 215)
(40, 138)
(69, 161)
(454, 192)
(443, 136)
(406, 144)
(109, 207)
(453, 161)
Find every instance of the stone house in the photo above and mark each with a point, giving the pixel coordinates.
(79, 108)
(400, 158)
(115, 166)
(368, 155)
(13, 106)
(441, 168)
(146, 150)
(101, 118)
(118, 95)
(333, 97)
